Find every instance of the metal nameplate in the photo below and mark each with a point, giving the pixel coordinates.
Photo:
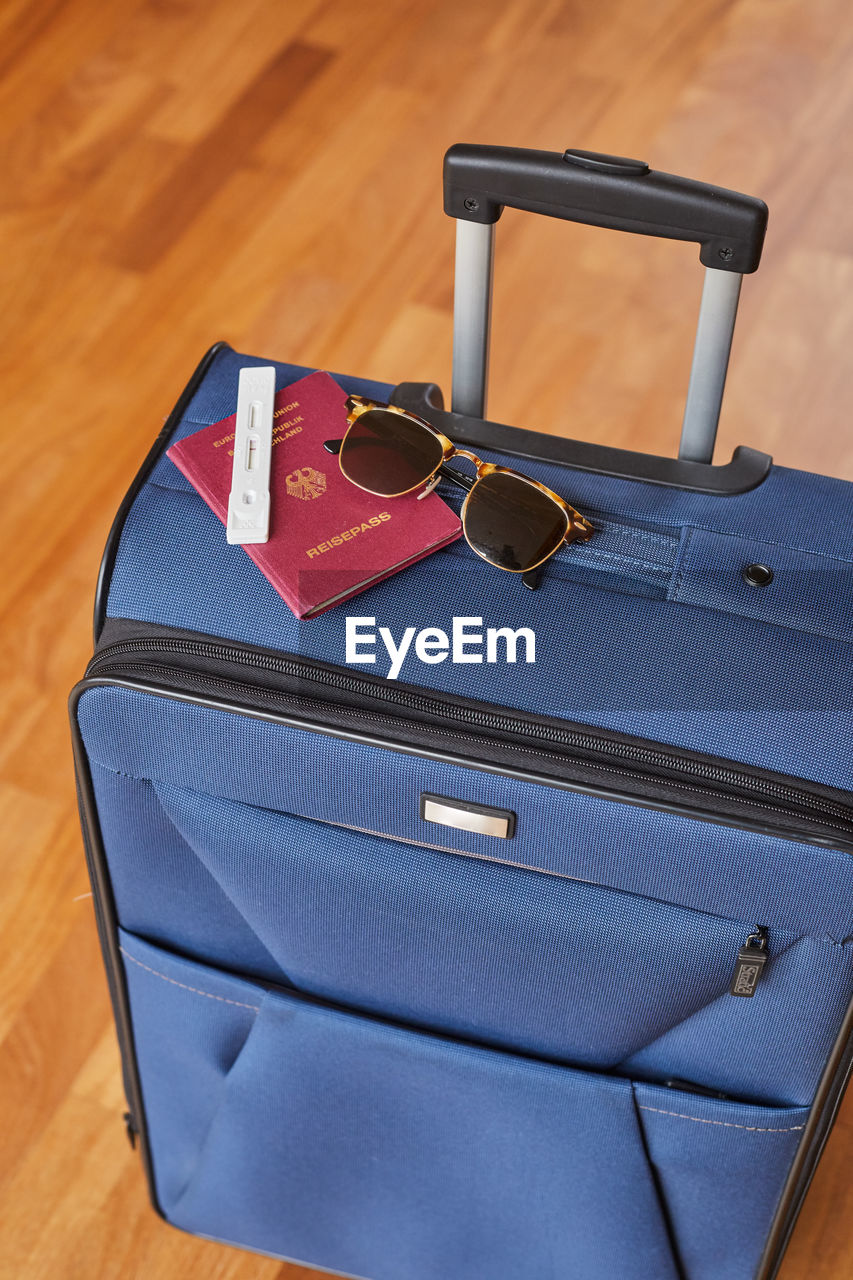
(465, 816)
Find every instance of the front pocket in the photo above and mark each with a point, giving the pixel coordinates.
(313, 1133)
(544, 963)
(482, 949)
(721, 1167)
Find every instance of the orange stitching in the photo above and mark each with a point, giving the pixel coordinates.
(195, 990)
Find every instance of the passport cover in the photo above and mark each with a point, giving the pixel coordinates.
(328, 539)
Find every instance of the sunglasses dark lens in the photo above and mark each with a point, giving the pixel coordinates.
(389, 454)
(511, 523)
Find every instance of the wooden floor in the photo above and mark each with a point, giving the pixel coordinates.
(178, 171)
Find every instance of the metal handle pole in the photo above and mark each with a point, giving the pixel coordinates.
(472, 315)
(714, 332)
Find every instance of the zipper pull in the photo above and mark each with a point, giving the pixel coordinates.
(751, 960)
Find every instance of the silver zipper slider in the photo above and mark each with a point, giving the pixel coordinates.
(751, 960)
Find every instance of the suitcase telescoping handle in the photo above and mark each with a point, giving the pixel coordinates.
(604, 191)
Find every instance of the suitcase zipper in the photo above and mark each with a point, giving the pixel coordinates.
(722, 788)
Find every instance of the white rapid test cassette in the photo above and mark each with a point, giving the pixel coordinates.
(249, 499)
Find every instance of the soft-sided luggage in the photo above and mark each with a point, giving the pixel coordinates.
(498, 970)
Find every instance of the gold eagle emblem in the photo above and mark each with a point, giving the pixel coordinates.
(306, 483)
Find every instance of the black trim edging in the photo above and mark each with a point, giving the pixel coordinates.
(106, 919)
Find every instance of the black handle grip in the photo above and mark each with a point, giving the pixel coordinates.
(606, 191)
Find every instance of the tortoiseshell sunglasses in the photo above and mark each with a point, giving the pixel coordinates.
(513, 522)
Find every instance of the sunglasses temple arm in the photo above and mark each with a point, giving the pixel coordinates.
(533, 578)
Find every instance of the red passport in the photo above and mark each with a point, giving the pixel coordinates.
(328, 540)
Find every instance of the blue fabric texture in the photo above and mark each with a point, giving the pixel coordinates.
(382, 1152)
(400, 1051)
(317, 870)
(654, 633)
(584, 944)
(705, 1152)
(740, 874)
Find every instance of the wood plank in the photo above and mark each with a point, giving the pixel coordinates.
(203, 171)
(177, 171)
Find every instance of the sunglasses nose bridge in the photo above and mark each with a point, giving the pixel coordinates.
(364, 438)
(472, 457)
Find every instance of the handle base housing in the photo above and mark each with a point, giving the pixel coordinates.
(747, 469)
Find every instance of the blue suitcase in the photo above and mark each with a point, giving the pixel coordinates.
(532, 970)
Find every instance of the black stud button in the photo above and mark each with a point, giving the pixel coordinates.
(758, 575)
